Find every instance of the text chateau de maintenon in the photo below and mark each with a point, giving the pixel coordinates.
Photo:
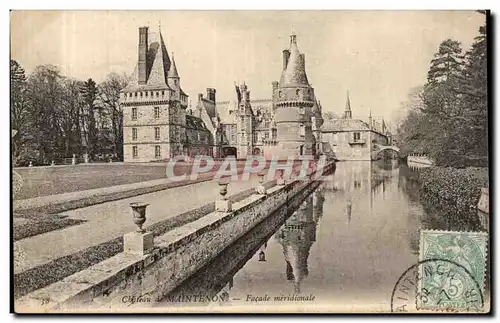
(159, 124)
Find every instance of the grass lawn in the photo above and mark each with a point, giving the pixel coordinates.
(42, 181)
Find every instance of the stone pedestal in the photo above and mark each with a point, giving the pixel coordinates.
(138, 243)
(261, 189)
(223, 206)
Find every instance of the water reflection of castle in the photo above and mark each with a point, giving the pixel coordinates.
(360, 179)
(298, 234)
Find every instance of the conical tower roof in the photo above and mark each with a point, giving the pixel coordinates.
(161, 63)
(295, 73)
(172, 72)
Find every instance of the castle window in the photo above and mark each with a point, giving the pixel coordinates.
(175, 82)
(274, 134)
(297, 92)
(357, 136)
(134, 113)
(279, 94)
(157, 112)
(162, 93)
(157, 151)
(135, 94)
(135, 152)
(157, 133)
(302, 130)
(146, 93)
(254, 137)
(140, 93)
(302, 110)
(157, 93)
(134, 133)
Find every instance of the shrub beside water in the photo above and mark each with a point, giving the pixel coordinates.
(454, 193)
(449, 186)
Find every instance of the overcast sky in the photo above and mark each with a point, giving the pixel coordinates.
(377, 55)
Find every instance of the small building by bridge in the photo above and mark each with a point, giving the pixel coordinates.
(354, 139)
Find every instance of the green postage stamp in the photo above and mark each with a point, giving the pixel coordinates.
(452, 271)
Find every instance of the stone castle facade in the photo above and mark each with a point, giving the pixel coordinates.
(155, 124)
(348, 138)
(158, 124)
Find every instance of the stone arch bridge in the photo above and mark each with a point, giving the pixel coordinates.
(381, 148)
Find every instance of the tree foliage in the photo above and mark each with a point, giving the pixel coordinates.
(56, 117)
(449, 120)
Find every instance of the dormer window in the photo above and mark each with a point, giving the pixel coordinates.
(297, 92)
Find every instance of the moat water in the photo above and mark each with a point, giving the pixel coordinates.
(346, 245)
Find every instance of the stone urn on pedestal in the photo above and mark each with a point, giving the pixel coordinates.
(139, 241)
(280, 180)
(139, 214)
(261, 189)
(223, 204)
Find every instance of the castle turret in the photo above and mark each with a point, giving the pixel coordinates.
(293, 104)
(153, 93)
(173, 79)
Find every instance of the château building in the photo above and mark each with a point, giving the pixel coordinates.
(286, 125)
(159, 124)
(349, 138)
(155, 124)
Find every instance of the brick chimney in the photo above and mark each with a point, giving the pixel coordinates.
(211, 94)
(143, 49)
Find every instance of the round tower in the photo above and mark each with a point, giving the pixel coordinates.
(294, 101)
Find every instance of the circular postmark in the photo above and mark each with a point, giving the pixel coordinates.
(437, 285)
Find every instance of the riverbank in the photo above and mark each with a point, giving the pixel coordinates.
(453, 194)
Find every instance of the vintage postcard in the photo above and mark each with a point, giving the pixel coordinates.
(250, 161)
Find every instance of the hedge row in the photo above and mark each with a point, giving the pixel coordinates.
(453, 193)
(453, 187)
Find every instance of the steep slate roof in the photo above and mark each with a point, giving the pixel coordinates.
(157, 66)
(172, 72)
(226, 117)
(335, 125)
(295, 73)
(193, 122)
